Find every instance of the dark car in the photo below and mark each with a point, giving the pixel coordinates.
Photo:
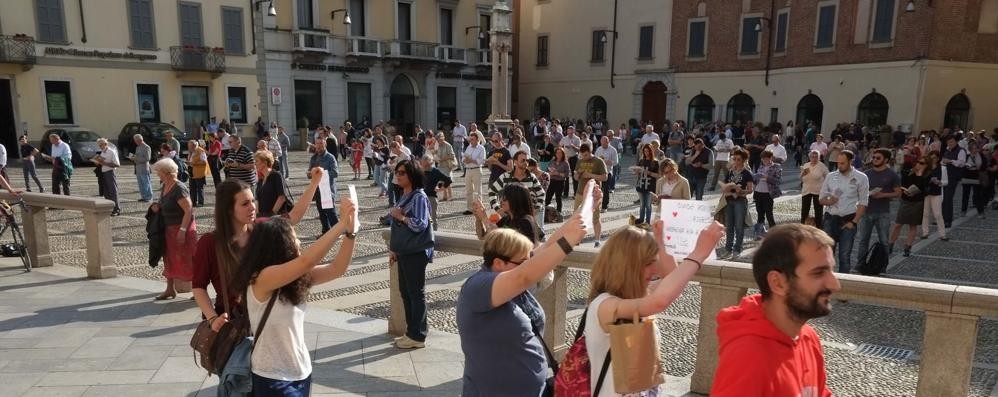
(82, 142)
(154, 135)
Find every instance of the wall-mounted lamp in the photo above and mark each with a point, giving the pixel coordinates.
(271, 10)
(481, 34)
(346, 15)
(910, 7)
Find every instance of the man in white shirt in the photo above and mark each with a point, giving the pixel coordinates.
(722, 152)
(845, 195)
(3, 162)
(458, 135)
(539, 130)
(610, 157)
(108, 162)
(820, 145)
(60, 155)
(223, 137)
(473, 159)
(648, 136)
(779, 151)
(571, 144)
(517, 145)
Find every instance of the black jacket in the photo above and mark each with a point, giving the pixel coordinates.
(156, 231)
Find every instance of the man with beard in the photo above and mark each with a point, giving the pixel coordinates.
(845, 194)
(766, 346)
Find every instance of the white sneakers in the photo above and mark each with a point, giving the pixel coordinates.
(405, 342)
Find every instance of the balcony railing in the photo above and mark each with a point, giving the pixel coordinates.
(198, 59)
(363, 46)
(17, 49)
(451, 54)
(311, 41)
(482, 56)
(411, 49)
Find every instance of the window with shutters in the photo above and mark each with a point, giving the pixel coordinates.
(883, 21)
(446, 26)
(358, 17)
(140, 24)
(232, 30)
(51, 21)
(646, 41)
(599, 46)
(751, 30)
(782, 31)
(542, 50)
(825, 35)
(697, 44)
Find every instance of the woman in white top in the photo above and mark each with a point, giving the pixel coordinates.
(274, 263)
(633, 273)
(812, 176)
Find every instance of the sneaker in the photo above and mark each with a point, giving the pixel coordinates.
(408, 343)
(735, 255)
(596, 244)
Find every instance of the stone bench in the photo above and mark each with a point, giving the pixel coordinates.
(96, 220)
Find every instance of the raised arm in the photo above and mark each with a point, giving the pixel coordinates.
(298, 211)
(336, 268)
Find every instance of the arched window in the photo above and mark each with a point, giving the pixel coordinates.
(957, 112)
(701, 110)
(809, 109)
(542, 108)
(596, 108)
(741, 107)
(873, 110)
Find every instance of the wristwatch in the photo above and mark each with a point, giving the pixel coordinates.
(350, 235)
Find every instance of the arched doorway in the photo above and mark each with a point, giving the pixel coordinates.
(809, 109)
(957, 112)
(701, 110)
(741, 107)
(653, 103)
(596, 109)
(403, 105)
(873, 110)
(542, 108)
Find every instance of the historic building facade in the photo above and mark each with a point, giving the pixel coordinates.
(917, 64)
(119, 61)
(408, 62)
(595, 60)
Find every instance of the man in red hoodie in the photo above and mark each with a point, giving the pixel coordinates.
(767, 348)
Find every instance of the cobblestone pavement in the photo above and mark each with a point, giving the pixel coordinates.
(968, 259)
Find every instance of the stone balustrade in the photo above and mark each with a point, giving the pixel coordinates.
(96, 220)
(951, 313)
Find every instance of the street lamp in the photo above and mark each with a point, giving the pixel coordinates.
(613, 51)
(769, 44)
(481, 34)
(271, 10)
(346, 15)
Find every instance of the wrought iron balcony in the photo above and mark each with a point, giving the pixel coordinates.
(197, 59)
(451, 54)
(411, 49)
(482, 57)
(364, 47)
(17, 49)
(311, 41)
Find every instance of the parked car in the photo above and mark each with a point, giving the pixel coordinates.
(82, 141)
(154, 135)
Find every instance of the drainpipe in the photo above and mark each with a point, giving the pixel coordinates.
(613, 51)
(770, 39)
(253, 10)
(83, 23)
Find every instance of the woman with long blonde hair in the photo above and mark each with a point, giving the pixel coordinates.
(634, 275)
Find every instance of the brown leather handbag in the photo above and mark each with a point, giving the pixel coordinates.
(212, 349)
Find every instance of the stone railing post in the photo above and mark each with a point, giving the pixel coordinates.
(713, 298)
(554, 301)
(947, 354)
(396, 319)
(100, 257)
(36, 235)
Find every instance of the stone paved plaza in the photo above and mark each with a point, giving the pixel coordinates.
(69, 336)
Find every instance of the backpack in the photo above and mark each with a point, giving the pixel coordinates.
(876, 260)
(182, 174)
(574, 378)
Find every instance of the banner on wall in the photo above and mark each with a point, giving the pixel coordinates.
(236, 109)
(147, 107)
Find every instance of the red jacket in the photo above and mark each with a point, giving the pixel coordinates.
(757, 359)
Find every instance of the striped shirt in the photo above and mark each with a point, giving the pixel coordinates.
(242, 156)
(528, 182)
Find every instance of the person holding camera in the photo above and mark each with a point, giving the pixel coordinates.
(239, 162)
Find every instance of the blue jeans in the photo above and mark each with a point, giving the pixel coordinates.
(540, 218)
(844, 239)
(675, 153)
(327, 216)
(698, 184)
(734, 223)
(882, 222)
(379, 179)
(613, 177)
(284, 165)
(644, 214)
(145, 186)
(266, 387)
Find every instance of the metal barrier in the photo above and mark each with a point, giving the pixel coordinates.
(97, 228)
(952, 313)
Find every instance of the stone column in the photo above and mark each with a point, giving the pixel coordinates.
(36, 236)
(713, 298)
(396, 317)
(947, 354)
(100, 257)
(554, 301)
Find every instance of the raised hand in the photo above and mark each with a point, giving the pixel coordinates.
(707, 240)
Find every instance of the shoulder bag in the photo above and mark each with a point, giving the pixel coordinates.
(212, 349)
(403, 240)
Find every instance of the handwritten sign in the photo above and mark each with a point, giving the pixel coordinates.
(587, 206)
(326, 199)
(684, 219)
(356, 208)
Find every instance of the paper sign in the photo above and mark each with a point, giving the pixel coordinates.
(326, 199)
(684, 219)
(356, 208)
(587, 206)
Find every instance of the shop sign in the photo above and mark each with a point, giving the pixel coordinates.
(98, 54)
(330, 68)
(462, 76)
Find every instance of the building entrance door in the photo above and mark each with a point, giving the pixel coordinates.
(653, 101)
(403, 105)
(8, 131)
(195, 107)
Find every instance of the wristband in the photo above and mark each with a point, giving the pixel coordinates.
(350, 235)
(212, 319)
(566, 247)
(699, 265)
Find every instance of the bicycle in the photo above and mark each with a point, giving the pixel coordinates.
(9, 221)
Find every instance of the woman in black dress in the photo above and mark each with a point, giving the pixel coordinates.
(272, 191)
(914, 184)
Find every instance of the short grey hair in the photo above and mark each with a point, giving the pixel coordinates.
(101, 141)
(166, 165)
(426, 157)
(138, 137)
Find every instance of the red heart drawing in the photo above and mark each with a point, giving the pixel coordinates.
(675, 214)
(668, 237)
